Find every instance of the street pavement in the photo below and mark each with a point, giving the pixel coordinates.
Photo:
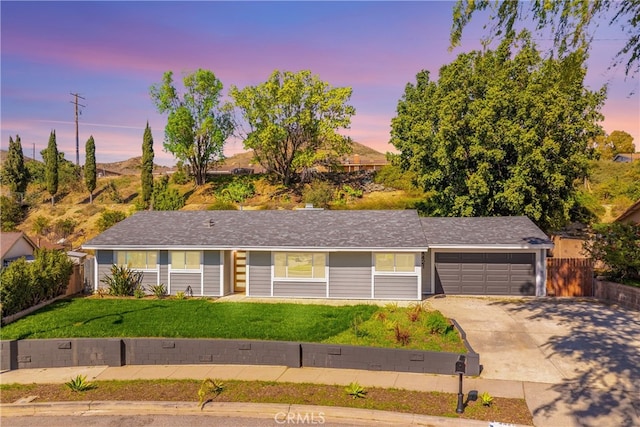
(575, 362)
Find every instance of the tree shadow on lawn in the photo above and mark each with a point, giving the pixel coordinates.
(603, 350)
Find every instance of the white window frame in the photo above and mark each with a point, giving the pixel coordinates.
(148, 268)
(394, 272)
(275, 278)
(185, 270)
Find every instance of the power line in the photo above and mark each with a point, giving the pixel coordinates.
(75, 101)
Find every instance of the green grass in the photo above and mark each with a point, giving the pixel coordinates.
(193, 318)
(365, 325)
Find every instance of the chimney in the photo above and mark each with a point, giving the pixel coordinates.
(356, 159)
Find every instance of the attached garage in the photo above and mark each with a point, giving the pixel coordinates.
(485, 256)
(485, 273)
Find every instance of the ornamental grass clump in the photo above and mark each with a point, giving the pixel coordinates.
(123, 281)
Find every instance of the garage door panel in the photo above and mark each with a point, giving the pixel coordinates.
(499, 273)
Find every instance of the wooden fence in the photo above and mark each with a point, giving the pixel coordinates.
(570, 277)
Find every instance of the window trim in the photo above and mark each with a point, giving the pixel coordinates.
(184, 270)
(299, 279)
(148, 268)
(377, 272)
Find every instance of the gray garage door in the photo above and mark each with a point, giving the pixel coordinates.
(469, 273)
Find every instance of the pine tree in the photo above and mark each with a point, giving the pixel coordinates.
(51, 166)
(90, 167)
(147, 166)
(15, 175)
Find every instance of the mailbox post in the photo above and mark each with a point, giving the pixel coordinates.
(461, 367)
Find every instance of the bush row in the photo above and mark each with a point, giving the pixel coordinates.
(24, 284)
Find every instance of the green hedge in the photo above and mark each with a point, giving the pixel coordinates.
(24, 284)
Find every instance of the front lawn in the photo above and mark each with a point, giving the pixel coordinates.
(200, 318)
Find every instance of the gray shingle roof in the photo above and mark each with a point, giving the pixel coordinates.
(514, 231)
(266, 229)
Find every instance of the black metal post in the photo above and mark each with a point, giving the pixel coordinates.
(460, 408)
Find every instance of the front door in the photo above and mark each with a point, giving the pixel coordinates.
(239, 271)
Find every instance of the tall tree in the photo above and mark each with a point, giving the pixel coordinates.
(15, 174)
(500, 133)
(51, 160)
(146, 174)
(293, 121)
(198, 125)
(90, 167)
(571, 22)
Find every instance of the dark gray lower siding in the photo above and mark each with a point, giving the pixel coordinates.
(163, 260)
(350, 275)
(259, 268)
(149, 278)
(181, 281)
(396, 287)
(300, 289)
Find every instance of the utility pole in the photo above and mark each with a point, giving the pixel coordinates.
(77, 139)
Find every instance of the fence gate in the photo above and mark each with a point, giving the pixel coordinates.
(570, 277)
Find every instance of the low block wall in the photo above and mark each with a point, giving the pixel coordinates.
(626, 296)
(157, 351)
(51, 353)
(385, 359)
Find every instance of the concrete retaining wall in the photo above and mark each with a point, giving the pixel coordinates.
(21, 354)
(611, 292)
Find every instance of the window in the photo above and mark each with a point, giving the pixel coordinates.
(299, 265)
(395, 263)
(138, 260)
(185, 260)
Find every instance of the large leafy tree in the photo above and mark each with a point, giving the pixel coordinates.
(499, 133)
(572, 23)
(15, 174)
(90, 167)
(146, 174)
(293, 121)
(198, 124)
(51, 160)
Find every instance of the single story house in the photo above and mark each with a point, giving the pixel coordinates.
(327, 254)
(15, 245)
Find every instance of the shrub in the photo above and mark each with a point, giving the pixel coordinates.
(403, 336)
(617, 246)
(79, 383)
(166, 198)
(356, 391)
(109, 218)
(209, 386)
(486, 399)
(158, 290)
(238, 191)
(123, 281)
(436, 323)
(23, 284)
(318, 193)
(11, 213)
(222, 205)
(139, 292)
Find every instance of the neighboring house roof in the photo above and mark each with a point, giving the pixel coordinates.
(626, 157)
(10, 245)
(310, 229)
(483, 232)
(631, 215)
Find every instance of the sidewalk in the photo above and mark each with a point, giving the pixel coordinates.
(405, 380)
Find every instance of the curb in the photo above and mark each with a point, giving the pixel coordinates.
(279, 412)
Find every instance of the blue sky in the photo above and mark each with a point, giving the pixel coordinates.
(112, 52)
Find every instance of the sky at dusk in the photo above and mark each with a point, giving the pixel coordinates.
(112, 52)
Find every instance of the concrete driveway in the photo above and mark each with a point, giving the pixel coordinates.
(577, 356)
